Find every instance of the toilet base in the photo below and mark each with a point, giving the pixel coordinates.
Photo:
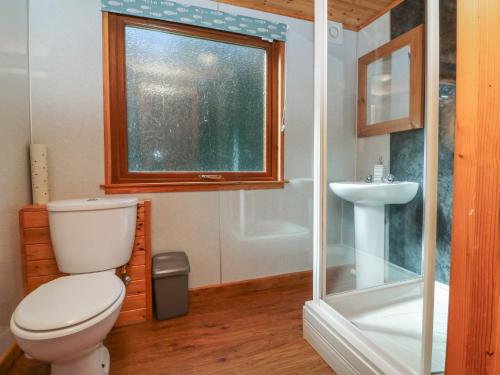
(94, 362)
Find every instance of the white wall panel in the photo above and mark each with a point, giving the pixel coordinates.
(67, 116)
(14, 165)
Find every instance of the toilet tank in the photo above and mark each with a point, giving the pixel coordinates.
(91, 235)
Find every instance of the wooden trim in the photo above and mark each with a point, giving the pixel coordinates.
(23, 251)
(106, 66)
(288, 280)
(473, 345)
(118, 179)
(147, 235)
(280, 63)
(8, 358)
(388, 8)
(416, 40)
(120, 144)
(269, 8)
(176, 187)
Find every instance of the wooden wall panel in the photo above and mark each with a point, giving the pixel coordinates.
(40, 267)
(353, 14)
(39, 251)
(474, 317)
(132, 317)
(136, 287)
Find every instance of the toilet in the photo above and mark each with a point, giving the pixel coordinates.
(65, 321)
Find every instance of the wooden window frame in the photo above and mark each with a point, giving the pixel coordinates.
(117, 177)
(416, 40)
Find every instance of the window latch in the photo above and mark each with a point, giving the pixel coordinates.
(211, 176)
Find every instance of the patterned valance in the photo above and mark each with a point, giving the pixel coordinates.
(193, 15)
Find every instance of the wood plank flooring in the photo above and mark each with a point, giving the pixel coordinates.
(244, 328)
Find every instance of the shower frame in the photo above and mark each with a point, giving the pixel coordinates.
(338, 341)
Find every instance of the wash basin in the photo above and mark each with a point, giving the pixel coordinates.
(375, 193)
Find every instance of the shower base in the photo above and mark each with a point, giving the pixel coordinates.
(391, 318)
(341, 273)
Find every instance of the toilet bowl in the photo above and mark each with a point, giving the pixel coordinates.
(65, 321)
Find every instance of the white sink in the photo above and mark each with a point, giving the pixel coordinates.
(369, 223)
(375, 193)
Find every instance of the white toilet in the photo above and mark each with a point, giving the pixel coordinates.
(65, 321)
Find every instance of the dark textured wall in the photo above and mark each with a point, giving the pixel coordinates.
(407, 151)
(406, 16)
(448, 34)
(445, 178)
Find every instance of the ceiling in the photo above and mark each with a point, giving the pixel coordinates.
(353, 14)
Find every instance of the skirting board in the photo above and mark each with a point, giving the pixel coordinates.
(287, 280)
(343, 351)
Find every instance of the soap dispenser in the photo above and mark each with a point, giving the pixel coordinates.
(379, 170)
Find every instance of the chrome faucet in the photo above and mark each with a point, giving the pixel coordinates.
(368, 179)
(388, 179)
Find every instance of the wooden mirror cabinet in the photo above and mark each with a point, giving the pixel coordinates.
(391, 86)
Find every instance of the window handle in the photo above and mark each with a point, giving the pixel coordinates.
(211, 176)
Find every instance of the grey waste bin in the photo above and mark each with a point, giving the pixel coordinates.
(170, 284)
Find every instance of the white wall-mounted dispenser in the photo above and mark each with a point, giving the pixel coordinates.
(379, 170)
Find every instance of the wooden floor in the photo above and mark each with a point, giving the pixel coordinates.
(240, 329)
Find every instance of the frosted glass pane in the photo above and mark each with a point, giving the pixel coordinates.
(193, 104)
(388, 87)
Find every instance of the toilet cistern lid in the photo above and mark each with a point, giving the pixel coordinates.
(87, 204)
(68, 301)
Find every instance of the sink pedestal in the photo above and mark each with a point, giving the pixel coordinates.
(369, 224)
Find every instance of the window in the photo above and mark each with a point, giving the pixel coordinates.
(188, 108)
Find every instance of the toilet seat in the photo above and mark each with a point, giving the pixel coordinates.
(67, 305)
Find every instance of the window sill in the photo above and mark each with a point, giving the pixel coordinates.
(136, 188)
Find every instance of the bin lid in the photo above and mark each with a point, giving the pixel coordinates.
(170, 264)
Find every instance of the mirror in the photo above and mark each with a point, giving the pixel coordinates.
(388, 87)
(391, 80)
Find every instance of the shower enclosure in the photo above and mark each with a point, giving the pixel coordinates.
(379, 306)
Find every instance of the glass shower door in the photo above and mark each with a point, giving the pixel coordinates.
(374, 263)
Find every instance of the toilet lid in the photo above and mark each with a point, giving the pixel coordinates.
(67, 301)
